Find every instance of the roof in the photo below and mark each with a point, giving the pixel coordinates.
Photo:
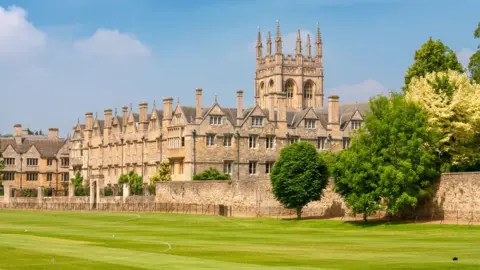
(46, 147)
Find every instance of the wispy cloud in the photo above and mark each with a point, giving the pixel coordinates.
(359, 91)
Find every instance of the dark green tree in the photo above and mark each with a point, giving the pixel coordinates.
(394, 156)
(299, 176)
(432, 56)
(79, 188)
(474, 65)
(134, 180)
(211, 174)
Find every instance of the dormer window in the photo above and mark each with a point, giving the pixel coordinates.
(257, 121)
(215, 120)
(309, 123)
(356, 124)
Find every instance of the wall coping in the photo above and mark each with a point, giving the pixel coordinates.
(460, 173)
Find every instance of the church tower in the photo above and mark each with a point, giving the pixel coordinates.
(297, 77)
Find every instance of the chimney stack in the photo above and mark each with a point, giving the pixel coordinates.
(124, 115)
(88, 121)
(239, 106)
(198, 105)
(271, 108)
(143, 119)
(53, 133)
(17, 133)
(167, 108)
(107, 118)
(282, 113)
(333, 110)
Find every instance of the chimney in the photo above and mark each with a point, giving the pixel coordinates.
(167, 108)
(333, 110)
(198, 104)
(271, 108)
(282, 109)
(124, 115)
(17, 133)
(239, 106)
(143, 119)
(88, 121)
(53, 133)
(107, 117)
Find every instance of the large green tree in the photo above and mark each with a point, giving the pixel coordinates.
(474, 65)
(134, 180)
(299, 176)
(393, 156)
(432, 56)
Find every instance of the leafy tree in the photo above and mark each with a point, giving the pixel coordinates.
(330, 159)
(299, 176)
(29, 132)
(134, 180)
(452, 102)
(211, 174)
(432, 56)
(393, 157)
(163, 173)
(474, 65)
(79, 188)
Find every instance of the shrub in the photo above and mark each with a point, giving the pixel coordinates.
(134, 180)
(211, 174)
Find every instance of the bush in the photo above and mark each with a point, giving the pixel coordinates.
(134, 180)
(108, 191)
(163, 173)
(211, 174)
(28, 193)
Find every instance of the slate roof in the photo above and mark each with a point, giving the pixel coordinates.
(45, 146)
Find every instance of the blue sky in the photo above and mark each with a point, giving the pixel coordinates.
(62, 58)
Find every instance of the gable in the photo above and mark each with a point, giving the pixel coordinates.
(9, 151)
(357, 116)
(32, 152)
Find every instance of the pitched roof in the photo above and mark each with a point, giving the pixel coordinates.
(46, 147)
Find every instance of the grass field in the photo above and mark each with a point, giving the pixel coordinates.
(100, 240)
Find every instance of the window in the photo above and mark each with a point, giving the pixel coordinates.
(49, 162)
(227, 141)
(289, 89)
(32, 176)
(49, 177)
(227, 167)
(252, 167)
(215, 120)
(65, 177)
(8, 176)
(32, 161)
(252, 141)
(183, 137)
(269, 142)
(308, 91)
(268, 167)
(210, 140)
(9, 161)
(292, 140)
(321, 143)
(309, 123)
(66, 162)
(181, 167)
(356, 124)
(257, 121)
(346, 143)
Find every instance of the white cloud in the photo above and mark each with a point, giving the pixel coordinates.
(17, 35)
(359, 91)
(112, 43)
(464, 56)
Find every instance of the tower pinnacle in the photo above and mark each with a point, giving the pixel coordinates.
(308, 46)
(319, 42)
(298, 49)
(269, 44)
(259, 44)
(278, 40)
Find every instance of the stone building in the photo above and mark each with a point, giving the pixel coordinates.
(245, 142)
(35, 160)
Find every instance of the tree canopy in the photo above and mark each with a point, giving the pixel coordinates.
(432, 56)
(163, 173)
(211, 174)
(474, 64)
(453, 104)
(79, 188)
(134, 180)
(393, 157)
(299, 176)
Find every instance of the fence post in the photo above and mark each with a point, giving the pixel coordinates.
(71, 190)
(40, 195)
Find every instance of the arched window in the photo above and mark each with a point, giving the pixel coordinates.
(308, 94)
(289, 90)
(270, 86)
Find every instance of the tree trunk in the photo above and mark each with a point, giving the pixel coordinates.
(299, 212)
(364, 218)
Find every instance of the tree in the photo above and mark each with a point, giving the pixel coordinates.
(393, 157)
(79, 188)
(432, 56)
(452, 102)
(134, 180)
(474, 65)
(299, 176)
(163, 173)
(211, 174)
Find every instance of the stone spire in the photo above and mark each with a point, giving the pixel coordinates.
(319, 42)
(308, 46)
(278, 40)
(269, 44)
(259, 44)
(298, 49)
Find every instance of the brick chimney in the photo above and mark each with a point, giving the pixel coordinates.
(124, 115)
(198, 105)
(142, 118)
(53, 133)
(88, 121)
(282, 113)
(167, 108)
(271, 108)
(333, 110)
(239, 106)
(107, 118)
(17, 133)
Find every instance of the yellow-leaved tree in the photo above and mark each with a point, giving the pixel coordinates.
(453, 104)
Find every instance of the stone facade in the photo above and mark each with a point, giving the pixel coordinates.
(244, 142)
(35, 160)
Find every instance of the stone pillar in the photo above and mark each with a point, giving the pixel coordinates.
(126, 192)
(7, 189)
(40, 195)
(71, 190)
(100, 187)
(92, 193)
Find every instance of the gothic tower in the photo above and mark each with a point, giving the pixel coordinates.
(298, 77)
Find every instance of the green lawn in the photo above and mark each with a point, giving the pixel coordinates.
(100, 240)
